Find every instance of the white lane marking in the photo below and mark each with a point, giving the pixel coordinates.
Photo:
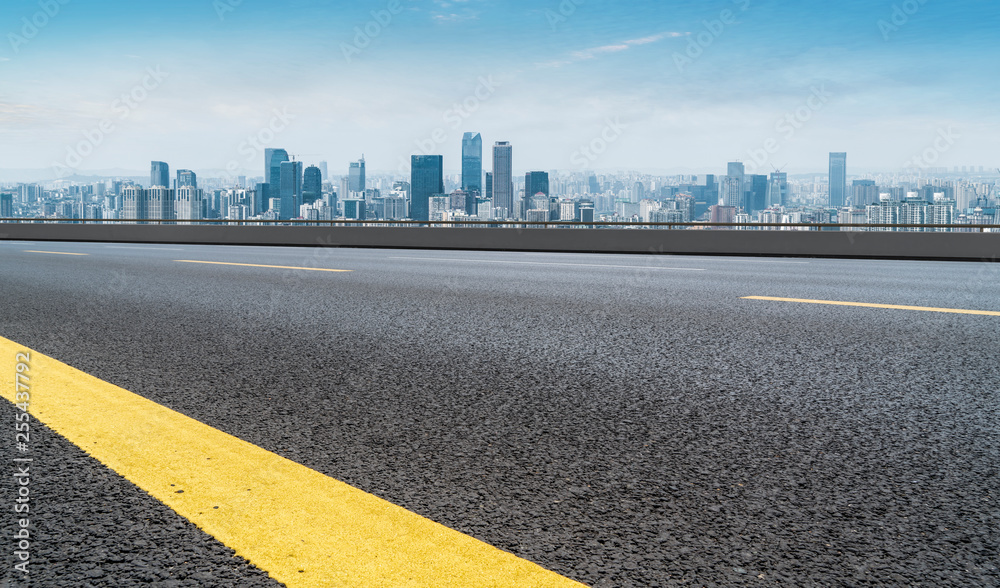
(679, 269)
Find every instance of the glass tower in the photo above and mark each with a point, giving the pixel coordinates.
(472, 162)
(291, 189)
(356, 175)
(159, 174)
(838, 179)
(312, 185)
(426, 180)
(503, 179)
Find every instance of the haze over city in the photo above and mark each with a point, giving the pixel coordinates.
(688, 86)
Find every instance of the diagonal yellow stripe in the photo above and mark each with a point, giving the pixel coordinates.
(304, 528)
(312, 269)
(869, 305)
(54, 252)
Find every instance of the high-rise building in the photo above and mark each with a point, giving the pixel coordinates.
(536, 182)
(186, 178)
(472, 162)
(324, 169)
(426, 181)
(160, 203)
(273, 158)
(757, 194)
(777, 190)
(863, 193)
(6, 205)
(733, 191)
(159, 174)
(838, 180)
(356, 176)
(503, 179)
(188, 205)
(312, 185)
(291, 189)
(488, 187)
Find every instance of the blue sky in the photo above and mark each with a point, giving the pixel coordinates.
(683, 86)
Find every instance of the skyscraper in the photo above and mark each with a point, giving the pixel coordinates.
(733, 191)
(472, 162)
(159, 174)
(312, 185)
(488, 187)
(535, 182)
(6, 205)
(273, 158)
(426, 181)
(186, 178)
(838, 179)
(503, 179)
(777, 189)
(757, 194)
(135, 202)
(356, 176)
(324, 169)
(291, 189)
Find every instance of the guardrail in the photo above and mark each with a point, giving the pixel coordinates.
(505, 224)
(598, 237)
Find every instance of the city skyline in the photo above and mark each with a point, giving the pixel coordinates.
(657, 86)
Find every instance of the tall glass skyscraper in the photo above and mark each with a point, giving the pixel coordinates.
(838, 179)
(273, 158)
(535, 182)
(503, 179)
(777, 189)
(291, 189)
(426, 180)
(312, 185)
(472, 162)
(733, 190)
(159, 174)
(356, 176)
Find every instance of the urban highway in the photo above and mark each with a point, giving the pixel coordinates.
(610, 420)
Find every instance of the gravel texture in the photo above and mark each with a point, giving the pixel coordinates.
(624, 427)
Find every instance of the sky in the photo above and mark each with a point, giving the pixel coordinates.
(657, 86)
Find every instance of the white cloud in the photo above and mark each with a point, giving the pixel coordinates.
(595, 52)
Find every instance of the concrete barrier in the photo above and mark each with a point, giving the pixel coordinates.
(871, 245)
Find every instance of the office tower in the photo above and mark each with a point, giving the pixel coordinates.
(273, 158)
(186, 178)
(291, 189)
(324, 169)
(426, 181)
(863, 193)
(312, 185)
(536, 182)
(503, 179)
(838, 179)
(757, 194)
(777, 190)
(159, 174)
(732, 193)
(160, 203)
(488, 187)
(355, 209)
(188, 204)
(134, 202)
(6, 205)
(356, 176)
(472, 162)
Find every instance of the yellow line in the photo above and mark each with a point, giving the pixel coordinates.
(55, 252)
(868, 305)
(304, 528)
(312, 269)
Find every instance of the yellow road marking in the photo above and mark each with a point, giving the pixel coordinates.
(868, 305)
(54, 252)
(304, 528)
(312, 269)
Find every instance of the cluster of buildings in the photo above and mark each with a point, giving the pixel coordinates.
(288, 190)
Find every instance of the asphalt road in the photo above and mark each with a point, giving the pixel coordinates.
(621, 420)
